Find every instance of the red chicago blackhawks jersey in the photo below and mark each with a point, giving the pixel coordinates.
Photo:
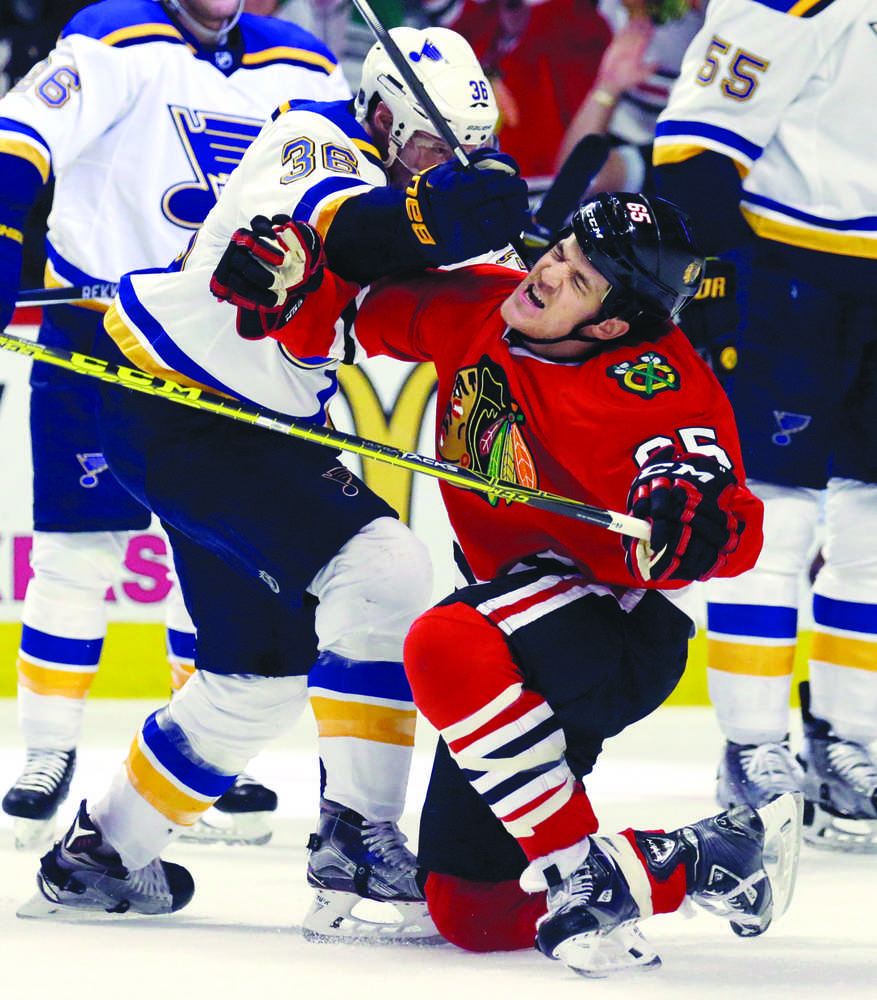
(580, 430)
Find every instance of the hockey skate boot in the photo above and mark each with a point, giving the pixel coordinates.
(840, 787)
(755, 774)
(81, 875)
(740, 865)
(353, 863)
(36, 795)
(591, 925)
(239, 816)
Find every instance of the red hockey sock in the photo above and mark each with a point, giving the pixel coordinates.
(483, 916)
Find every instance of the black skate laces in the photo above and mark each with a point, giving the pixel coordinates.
(387, 841)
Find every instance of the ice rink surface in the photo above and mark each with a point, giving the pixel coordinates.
(239, 939)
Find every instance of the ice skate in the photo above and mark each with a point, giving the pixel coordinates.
(591, 925)
(241, 816)
(36, 795)
(80, 877)
(745, 862)
(840, 787)
(755, 774)
(357, 865)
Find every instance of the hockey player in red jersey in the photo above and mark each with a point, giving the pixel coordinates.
(576, 380)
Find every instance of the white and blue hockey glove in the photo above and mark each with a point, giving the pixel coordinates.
(458, 212)
(686, 499)
(266, 271)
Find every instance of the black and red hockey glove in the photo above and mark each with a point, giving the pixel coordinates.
(267, 270)
(686, 498)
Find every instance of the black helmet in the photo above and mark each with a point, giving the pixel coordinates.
(644, 247)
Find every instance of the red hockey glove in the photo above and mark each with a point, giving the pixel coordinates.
(267, 270)
(686, 498)
(458, 212)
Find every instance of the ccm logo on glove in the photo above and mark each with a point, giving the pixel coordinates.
(687, 498)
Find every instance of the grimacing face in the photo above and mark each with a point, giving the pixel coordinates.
(562, 291)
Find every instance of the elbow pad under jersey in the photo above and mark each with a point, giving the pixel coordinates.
(707, 187)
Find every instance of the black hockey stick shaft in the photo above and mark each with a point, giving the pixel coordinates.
(572, 181)
(411, 78)
(492, 487)
(66, 294)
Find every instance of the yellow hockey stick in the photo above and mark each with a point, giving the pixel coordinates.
(491, 486)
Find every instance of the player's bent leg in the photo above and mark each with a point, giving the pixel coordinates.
(182, 759)
(752, 628)
(740, 865)
(840, 707)
(63, 628)
(368, 596)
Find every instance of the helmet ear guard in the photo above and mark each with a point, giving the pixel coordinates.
(645, 248)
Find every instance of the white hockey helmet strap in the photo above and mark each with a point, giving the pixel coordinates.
(452, 76)
(189, 20)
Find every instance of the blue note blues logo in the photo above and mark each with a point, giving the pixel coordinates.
(429, 51)
(788, 424)
(214, 144)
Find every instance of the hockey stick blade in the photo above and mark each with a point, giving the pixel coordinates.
(66, 294)
(491, 486)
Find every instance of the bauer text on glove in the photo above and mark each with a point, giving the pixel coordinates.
(458, 212)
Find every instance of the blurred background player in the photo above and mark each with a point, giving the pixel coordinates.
(139, 115)
(771, 93)
(298, 577)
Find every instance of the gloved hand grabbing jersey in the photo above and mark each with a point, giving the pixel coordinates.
(686, 498)
(267, 270)
(457, 212)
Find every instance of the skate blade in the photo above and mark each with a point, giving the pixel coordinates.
(831, 832)
(783, 821)
(331, 920)
(596, 955)
(246, 829)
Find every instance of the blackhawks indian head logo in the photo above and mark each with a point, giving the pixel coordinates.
(648, 375)
(483, 427)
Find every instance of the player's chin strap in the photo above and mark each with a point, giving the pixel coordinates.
(201, 31)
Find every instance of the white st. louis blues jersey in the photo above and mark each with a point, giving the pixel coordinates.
(304, 164)
(786, 89)
(141, 126)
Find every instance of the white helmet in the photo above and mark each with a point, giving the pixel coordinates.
(446, 65)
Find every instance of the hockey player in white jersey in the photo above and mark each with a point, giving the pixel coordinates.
(296, 574)
(771, 91)
(139, 115)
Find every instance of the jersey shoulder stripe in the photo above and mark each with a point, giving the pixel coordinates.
(797, 8)
(124, 22)
(271, 40)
